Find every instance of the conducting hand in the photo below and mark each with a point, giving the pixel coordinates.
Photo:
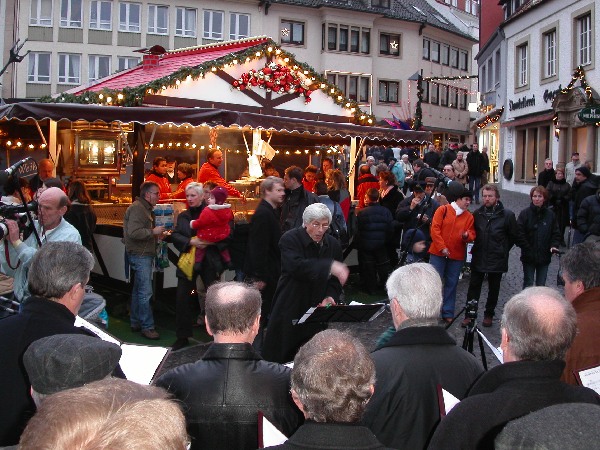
(340, 271)
(327, 301)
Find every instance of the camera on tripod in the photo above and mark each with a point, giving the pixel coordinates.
(18, 213)
(471, 309)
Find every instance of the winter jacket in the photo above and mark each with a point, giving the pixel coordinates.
(580, 192)
(213, 223)
(365, 182)
(374, 227)
(223, 392)
(545, 177)
(496, 233)
(461, 169)
(293, 207)
(432, 159)
(164, 186)
(137, 229)
(83, 218)
(537, 232)
(398, 172)
(476, 163)
(446, 232)
(180, 191)
(588, 216)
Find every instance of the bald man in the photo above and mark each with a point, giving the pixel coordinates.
(45, 172)
(51, 227)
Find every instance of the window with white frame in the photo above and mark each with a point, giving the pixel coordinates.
(100, 15)
(584, 39)
(463, 100)
(425, 94)
(39, 68)
(497, 67)
(389, 44)
(434, 93)
(471, 6)
(453, 98)
(356, 87)
(213, 24)
(426, 49)
(127, 62)
(483, 79)
(239, 26)
(389, 91)
(549, 49)
(185, 22)
(445, 56)
(98, 66)
(522, 68)
(463, 60)
(41, 13)
(435, 51)
(69, 68)
(490, 74)
(70, 13)
(454, 57)
(345, 38)
(292, 32)
(158, 19)
(130, 17)
(443, 95)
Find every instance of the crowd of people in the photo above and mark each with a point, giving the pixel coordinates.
(337, 395)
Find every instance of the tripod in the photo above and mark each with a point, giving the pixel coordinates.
(471, 313)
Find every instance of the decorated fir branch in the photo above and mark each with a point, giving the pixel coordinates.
(134, 96)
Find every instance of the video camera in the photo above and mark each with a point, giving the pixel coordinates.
(18, 213)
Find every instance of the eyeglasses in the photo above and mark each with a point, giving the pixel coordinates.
(316, 225)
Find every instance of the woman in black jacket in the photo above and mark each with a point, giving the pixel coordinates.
(80, 213)
(538, 236)
(559, 192)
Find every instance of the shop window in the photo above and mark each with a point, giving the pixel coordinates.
(129, 17)
(158, 19)
(98, 67)
(292, 32)
(213, 24)
(101, 15)
(239, 26)
(388, 91)
(69, 68)
(549, 55)
(389, 44)
(532, 148)
(185, 25)
(41, 13)
(39, 68)
(70, 13)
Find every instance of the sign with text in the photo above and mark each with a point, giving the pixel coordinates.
(591, 114)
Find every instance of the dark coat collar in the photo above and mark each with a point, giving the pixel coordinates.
(334, 435)
(41, 305)
(420, 336)
(231, 351)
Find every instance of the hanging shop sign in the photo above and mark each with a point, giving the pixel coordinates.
(591, 114)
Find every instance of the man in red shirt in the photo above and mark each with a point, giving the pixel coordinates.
(158, 175)
(210, 172)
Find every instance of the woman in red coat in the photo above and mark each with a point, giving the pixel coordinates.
(185, 173)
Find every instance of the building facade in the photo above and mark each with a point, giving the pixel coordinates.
(368, 49)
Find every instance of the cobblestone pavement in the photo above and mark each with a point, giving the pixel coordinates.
(368, 333)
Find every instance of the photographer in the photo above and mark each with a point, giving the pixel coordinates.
(16, 254)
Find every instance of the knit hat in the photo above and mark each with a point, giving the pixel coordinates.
(584, 171)
(66, 361)
(466, 193)
(220, 195)
(408, 236)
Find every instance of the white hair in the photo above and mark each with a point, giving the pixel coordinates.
(316, 211)
(418, 289)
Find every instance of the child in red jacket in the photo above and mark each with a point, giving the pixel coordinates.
(213, 223)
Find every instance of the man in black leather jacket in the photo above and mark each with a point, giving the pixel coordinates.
(223, 392)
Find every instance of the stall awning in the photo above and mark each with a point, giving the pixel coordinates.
(334, 132)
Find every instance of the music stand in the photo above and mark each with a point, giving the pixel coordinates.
(341, 313)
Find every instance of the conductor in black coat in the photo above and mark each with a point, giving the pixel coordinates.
(312, 274)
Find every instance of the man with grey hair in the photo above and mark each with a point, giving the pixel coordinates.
(58, 274)
(332, 381)
(538, 327)
(17, 250)
(224, 391)
(581, 274)
(417, 359)
(312, 274)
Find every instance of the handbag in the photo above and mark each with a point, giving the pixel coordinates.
(186, 262)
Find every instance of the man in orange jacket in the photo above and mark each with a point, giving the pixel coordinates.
(158, 175)
(451, 229)
(210, 172)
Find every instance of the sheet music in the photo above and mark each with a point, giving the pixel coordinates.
(496, 351)
(590, 378)
(450, 401)
(139, 363)
(271, 435)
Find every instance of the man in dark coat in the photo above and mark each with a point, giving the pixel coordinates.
(449, 154)
(296, 199)
(539, 326)
(585, 185)
(223, 392)
(332, 381)
(547, 175)
(420, 356)
(588, 216)
(416, 211)
(263, 259)
(432, 157)
(476, 164)
(496, 233)
(312, 274)
(50, 310)
(374, 233)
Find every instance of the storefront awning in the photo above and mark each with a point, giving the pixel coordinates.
(527, 120)
(306, 129)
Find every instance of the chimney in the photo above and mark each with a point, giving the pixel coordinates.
(151, 58)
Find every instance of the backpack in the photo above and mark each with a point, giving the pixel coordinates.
(337, 227)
